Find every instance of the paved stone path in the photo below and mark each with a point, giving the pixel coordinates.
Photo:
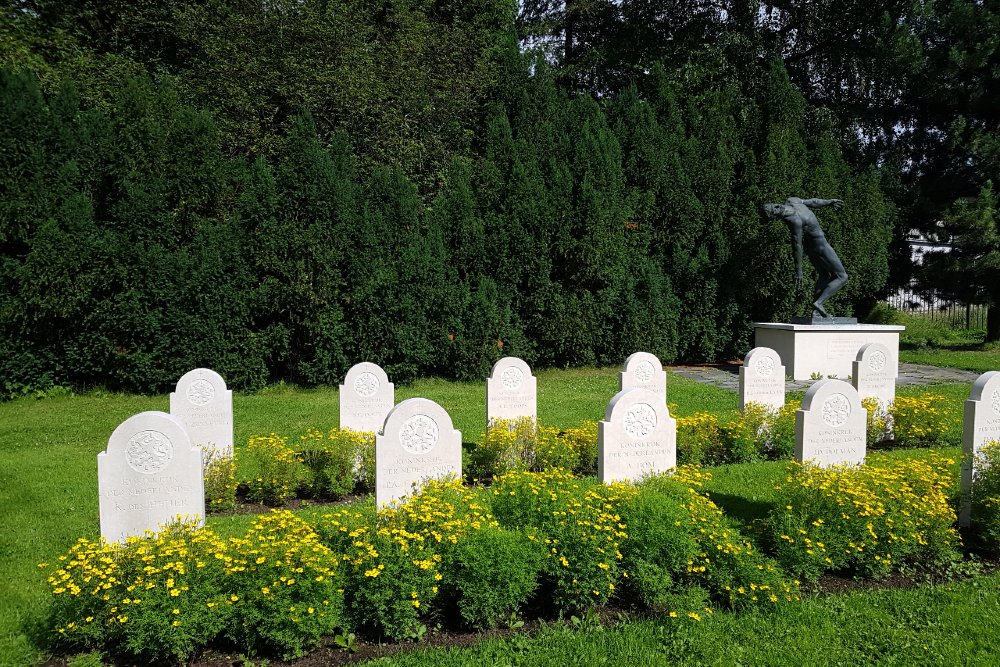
(727, 376)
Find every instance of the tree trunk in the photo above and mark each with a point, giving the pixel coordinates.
(993, 322)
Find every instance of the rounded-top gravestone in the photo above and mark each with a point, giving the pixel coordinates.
(417, 442)
(638, 437)
(762, 379)
(831, 427)
(643, 370)
(149, 476)
(511, 391)
(204, 405)
(874, 374)
(366, 397)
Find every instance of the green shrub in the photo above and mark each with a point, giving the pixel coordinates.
(510, 445)
(985, 496)
(724, 563)
(285, 587)
(274, 471)
(330, 463)
(925, 421)
(578, 523)
(220, 482)
(158, 599)
(699, 440)
(583, 441)
(494, 572)
(870, 519)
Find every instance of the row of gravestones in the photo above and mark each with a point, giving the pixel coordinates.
(762, 376)
(152, 472)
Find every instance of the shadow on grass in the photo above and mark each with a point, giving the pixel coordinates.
(741, 509)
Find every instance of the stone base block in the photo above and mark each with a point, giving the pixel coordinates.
(825, 349)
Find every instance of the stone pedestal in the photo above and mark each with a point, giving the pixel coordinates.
(827, 349)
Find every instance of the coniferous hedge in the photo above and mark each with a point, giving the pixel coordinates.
(134, 245)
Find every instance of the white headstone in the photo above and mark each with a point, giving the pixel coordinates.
(874, 375)
(831, 427)
(511, 391)
(762, 379)
(366, 397)
(638, 437)
(203, 404)
(417, 442)
(981, 425)
(644, 371)
(150, 475)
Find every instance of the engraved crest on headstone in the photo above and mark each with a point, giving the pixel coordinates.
(149, 452)
(836, 410)
(366, 385)
(418, 434)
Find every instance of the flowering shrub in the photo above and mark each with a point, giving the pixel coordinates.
(583, 440)
(509, 445)
(273, 468)
(579, 525)
(275, 590)
(986, 495)
(148, 599)
(925, 421)
(699, 439)
(759, 432)
(332, 462)
(678, 538)
(879, 425)
(220, 482)
(869, 518)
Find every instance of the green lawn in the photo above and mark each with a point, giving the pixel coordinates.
(48, 489)
(978, 361)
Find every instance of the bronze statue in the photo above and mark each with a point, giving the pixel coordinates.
(805, 228)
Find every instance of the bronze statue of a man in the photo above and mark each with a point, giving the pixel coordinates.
(805, 230)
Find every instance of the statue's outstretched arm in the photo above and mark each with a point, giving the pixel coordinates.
(820, 203)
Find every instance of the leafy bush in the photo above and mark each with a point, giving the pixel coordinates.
(220, 482)
(510, 445)
(274, 470)
(699, 439)
(759, 432)
(284, 585)
(331, 462)
(724, 563)
(870, 518)
(494, 573)
(583, 440)
(879, 424)
(152, 599)
(985, 495)
(577, 521)
(925, 421)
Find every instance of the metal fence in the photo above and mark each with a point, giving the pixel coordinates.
(954, 313)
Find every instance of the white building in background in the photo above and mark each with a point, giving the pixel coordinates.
(905, 298)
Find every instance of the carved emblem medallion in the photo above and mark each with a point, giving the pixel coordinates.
(640, 420)
(644, 371)
(876, 362)
(366, 384)
(511, 378)
(836, 410)
(418, 434)
(148, 452)
(764, 367)
(200, 392)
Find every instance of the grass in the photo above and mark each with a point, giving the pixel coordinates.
(48, 472)
(976, 360)
(950, 624)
